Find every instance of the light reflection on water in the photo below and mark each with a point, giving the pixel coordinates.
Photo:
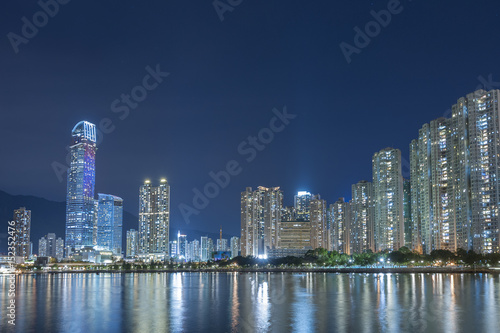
(254, 302)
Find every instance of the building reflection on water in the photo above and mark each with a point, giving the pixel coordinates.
(255, 302)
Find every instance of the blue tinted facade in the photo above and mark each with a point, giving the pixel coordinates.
(80, 203)
(109, 223)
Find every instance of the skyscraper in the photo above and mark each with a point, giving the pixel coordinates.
(430, 196)
(204, 251)
(235, 246)
(22, 225)
(181, 245)
(474, 145)
(317, 215)
(80, 203)
(341, 220)
(50, 246)
(260, 216)
(302, 205)
(109, 223)
(388, 199)
(407, 212)
(362, 227)
(132, 243)
(154, 218)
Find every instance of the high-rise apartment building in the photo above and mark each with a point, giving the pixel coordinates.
(340, 212)
(109, 223)
(204, 252)
(80, 203)
(132, 243)
(362, 226)
(50, 246)
(474, 159)
(235, 246)
(431, 228)
(154, 218)
(222, 244)
(181, 245)
(388, 199)
(407, 212)
(22, 225)
(302, 206)
(317, 215)
(260, 215)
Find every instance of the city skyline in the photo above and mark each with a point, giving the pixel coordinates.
(193, 129)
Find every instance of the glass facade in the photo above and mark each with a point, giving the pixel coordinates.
(80, 202)
(109, 223)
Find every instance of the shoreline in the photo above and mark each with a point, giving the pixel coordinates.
(348, 270)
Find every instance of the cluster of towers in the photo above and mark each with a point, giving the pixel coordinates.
(451, 200)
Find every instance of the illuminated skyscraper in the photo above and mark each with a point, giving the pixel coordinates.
(109, 223)
(430, 193)
(235, 247)
(49, 246)
(474, 145)
(260, 215)
(302, 205)
(388, 199)
(317, 215)
(407, 212)
(154, 218)
(204, 251)
(362, 225)
(80, 203)
(181, 245)
(340, 212)
(132, 243)
(22, 225)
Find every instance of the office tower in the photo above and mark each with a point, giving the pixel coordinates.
(388, 199)
(80, 203)
(341, 221)
(235, 247)
(204, 253)
(317, 215)
(407, 212)
(429, 166)
(132, 243)
(181, 245)
(222, 244)
(302, 205)
(109, 223)
(154, 218)
(362, 225)
(22, 226)
(260, 216)
(474, 143)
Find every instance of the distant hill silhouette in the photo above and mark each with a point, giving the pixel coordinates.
(50, 216)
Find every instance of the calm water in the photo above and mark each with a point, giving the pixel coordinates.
(254, 302)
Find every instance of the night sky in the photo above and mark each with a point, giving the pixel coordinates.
(225, 79)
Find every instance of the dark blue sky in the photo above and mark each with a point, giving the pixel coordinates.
(225, 79)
